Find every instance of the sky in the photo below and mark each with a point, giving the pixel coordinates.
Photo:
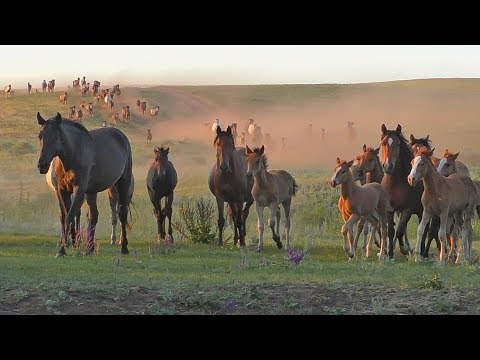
(234, 64)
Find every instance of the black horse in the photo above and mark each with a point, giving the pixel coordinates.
(161, 182)
(95, 160)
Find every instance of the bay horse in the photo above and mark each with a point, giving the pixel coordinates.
(58, 177)
(270, 189)
(51, 86)
(443, 196)
(161, 182)
(370, 201)
(396, 162)
(96, 160)
(229, 183)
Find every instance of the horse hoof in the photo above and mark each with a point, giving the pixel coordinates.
(220, 243)
(170, 238)
(60, 254)
(124, 251)
(377, 243)
(404, 250)
(258, 249)
(89, 253)
(113, 242)
(279, 244)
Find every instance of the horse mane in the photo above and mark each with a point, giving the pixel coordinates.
(77, 125)
(264, 158)
(423, 142)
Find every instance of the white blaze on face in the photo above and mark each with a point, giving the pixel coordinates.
(390, 141)
(334, 177)
(441, 164)
(413, 173)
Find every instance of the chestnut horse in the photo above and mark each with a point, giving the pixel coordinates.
(229, 183)
(270, 188)
(370, 201)
(442, 196)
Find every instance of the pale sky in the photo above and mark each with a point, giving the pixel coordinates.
(234, 64)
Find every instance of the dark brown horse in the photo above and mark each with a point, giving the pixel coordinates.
(396, 161)
(96, 160)
(229, 183)
(161, 182)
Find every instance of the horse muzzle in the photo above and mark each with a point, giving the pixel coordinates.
(412, 181)
(332, 183)
(388, 167)
(42, 167)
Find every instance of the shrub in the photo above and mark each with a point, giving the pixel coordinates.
(197, 221)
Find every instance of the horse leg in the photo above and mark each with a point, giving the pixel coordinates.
(260, 225)
(123, 186)
(391, 234)
(64, 204)
(237, 220)
(457, 225)
(286, 208)
(271, 223)
(442, 233)
(221, 220)
(78, 197)
(374, 222)
(163, 215)
(277, 220)
(245, 212)
(92, 220)
(157, 210)
(169, 215)
(401, 228)
(347, 232)
(426, 217)
(467, 236)
(113, 199)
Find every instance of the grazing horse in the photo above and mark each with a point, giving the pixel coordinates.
(143, 107)
(443, 196)
(396, 162)
(44, 86)
(370, 201)
(227, 180)
(63, 98)
(51, 86)
(270, 188)
(96, 160)
(149, 137)
(161, 182)
(58, 177)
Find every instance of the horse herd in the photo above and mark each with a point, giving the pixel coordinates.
(397, 177)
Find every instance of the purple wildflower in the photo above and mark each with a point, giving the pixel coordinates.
(295, 256)
(229, 306)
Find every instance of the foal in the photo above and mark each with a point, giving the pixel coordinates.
(270, 188)
(442, 196)
(370, 201)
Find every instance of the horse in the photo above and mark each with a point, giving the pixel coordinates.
(44, 86)
(58, 177)
(154, 111)
(240, 139)
(228, 182)
(97, 160)
(51, 86)
(63, 98)
(116, 90)
(396, 162)
(76, 84)
(370, 201)
(7, 90)
(138, 105)
(215, 125)
(126, 113)
(79, 115)
(90, 109)
(71, 112)
(443, 196)
(83, 82)
(149, 137)
(323, 134)
(29, 88)
(161, 182)
(114, 118)
(85, 89)
(270, 188)
(143, 107)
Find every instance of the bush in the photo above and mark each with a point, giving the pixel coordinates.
(197, 221)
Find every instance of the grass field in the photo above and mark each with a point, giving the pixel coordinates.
(189, 278)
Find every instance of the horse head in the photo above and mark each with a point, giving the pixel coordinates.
(390, 145)
(225, 146)
(256, 160)
(341, 172)
(161, 157)
(419, 166)
(50, 141)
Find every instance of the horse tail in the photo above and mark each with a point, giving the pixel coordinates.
(130, 223)
(478, 210)
(294, 187)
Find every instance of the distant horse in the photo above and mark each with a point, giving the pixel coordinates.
(57, 177)
(149, 137)
(51, 86)
(44, 86)
(351, 130)
(270, 188)
(8, 90)
(323, 134)
(97, 160)
(138, 105)
(63, 98)
(83, 82)
(114, 118)
(257, 136)
(240, 140)
(228, 182)
(71, 112)
(90, 109)
(85, 89)
(215, 125)
(154, 111)
(126, 113)
(161, 182)
(370, 201)
(116, 90)
(80, 115)
(442, 196)
(29, 88)
(76, 84)
(143, 107)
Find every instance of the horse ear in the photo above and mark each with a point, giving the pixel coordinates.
(364, 148)
(155, 151)
(248, 150)
(377, 150)
(41, 121)
(58, 118)
(412, 139)
(219, 130)
(262, 149)
(428, 137)
(350, 163)
(167, 150)
(384, 129)
(338, 160)
(445, 153)
(430, 153)
(456, 155)
(229, 129)
(399, 128)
